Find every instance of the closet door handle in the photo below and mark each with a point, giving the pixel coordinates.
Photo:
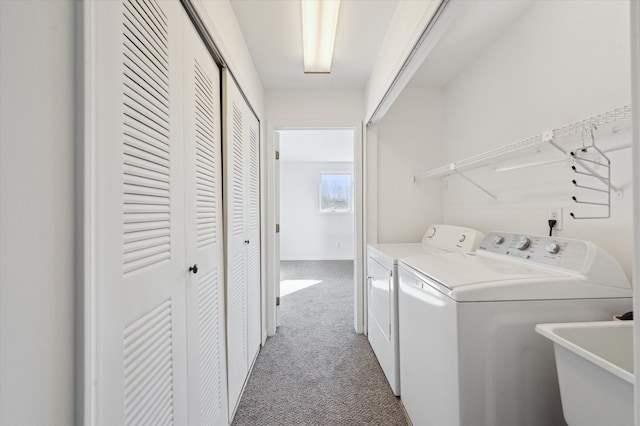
(194, 268)
(246, 241)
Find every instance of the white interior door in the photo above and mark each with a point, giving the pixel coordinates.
(236, 240)
(204, 239)
(139, 211)
(252, 167)
(242, 209)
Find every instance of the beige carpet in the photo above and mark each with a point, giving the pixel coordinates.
(317, 370)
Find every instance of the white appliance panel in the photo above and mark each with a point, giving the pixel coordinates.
(420, 305)
(457, 269)
(381, 297)
(382, 293)
(468, 359)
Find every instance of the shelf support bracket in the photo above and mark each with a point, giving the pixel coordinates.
(459, 173)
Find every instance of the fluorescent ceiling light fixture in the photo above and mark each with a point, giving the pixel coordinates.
(319, 23)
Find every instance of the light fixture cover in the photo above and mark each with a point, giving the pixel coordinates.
(319, 23)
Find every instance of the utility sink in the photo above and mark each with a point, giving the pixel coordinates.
(594, 361)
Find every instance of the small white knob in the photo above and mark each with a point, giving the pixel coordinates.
(462, 238)
(552, 248)
(431, 232)
(498, 240)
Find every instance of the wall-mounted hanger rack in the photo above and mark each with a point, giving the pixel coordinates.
(601, 161)
(609, 122)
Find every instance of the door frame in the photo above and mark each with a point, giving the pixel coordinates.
(272, 254)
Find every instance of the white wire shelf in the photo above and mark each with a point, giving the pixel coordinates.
(609, 122)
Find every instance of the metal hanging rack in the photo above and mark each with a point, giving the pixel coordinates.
(610, 122)
(601, 161)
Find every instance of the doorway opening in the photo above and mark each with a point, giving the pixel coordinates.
(316, 214)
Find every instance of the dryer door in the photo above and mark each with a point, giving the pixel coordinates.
(380, 297)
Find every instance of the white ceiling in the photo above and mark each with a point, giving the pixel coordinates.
(326, 145)
(273, 32)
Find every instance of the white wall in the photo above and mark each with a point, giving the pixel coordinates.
(305, 233)
(37, 212)
(560, 62)
(408, 142)
(322, 107)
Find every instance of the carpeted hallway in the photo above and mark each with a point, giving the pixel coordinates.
(316, 370)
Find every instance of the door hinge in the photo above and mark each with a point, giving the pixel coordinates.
(278, 301)
(277, 228)
(277, 155)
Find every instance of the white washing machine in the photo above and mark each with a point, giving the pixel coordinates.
(382, 281)
(469, 355)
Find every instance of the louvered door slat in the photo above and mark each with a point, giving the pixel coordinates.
(147, 25)
(147, 385)
(238, 307)
(138, 74)
(209, 317)
(144, 9)
(146, 104)
(237, 175)
(147, 47)
(147, 161)
(206, 211)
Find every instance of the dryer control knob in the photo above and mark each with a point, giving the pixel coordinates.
(523, 243)
(552, 248)
(498, 240)
(462, 238)
(431, 232)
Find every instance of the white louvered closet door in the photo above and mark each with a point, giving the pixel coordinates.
(204, 238)
(140, 270)
(252, 171)
(242, 212)
(235, 206)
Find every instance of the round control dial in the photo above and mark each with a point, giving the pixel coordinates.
(498, 240)
(523, 243)
(552, 248)
(431, 232)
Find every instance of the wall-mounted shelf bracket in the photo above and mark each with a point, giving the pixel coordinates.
(477, 185)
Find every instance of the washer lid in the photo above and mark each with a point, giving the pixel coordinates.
(454, 270)
(393, 252)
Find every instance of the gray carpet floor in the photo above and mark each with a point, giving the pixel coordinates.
(316, 370)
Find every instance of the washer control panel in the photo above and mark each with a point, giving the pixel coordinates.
(452, 238)
(559, 252)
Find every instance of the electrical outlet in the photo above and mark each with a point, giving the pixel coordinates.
(556, 214)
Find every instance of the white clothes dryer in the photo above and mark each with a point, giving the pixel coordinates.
(382, 284)
(469, 355)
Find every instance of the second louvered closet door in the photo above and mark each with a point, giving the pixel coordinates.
(242, 224)
(204, 235)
